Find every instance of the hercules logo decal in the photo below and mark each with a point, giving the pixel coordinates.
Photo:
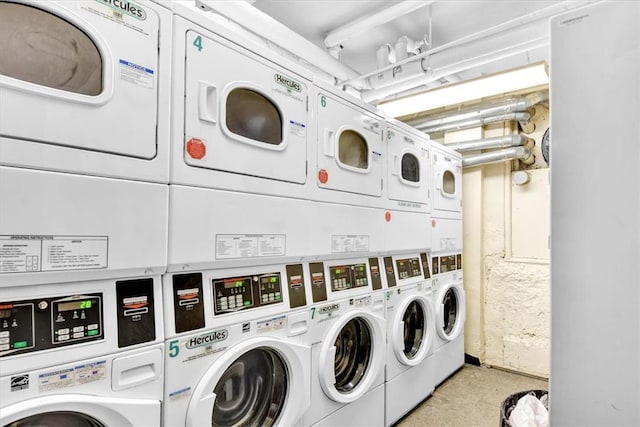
(126, 7)
(207, 339)
(287, 82)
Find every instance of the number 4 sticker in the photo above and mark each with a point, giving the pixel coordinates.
(198, 43)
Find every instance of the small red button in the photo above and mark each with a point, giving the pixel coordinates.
(323, 176)
(196, 148)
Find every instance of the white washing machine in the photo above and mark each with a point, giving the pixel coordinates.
(59, 227)
(87, 353)
(240, 113)
(348, 345)
(350, 156)
(408, 168)
(409, 376)
(447, 182)
(449, 302)
(95, 84)
(235, 351)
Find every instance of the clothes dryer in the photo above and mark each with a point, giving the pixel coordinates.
(348, 349)
(350, 157)
(236, 353)
(240, 113)
(447, 182)
(408, 168)
(88, 353)
(449, 300)
(94, 78)
(59, 227)
(410, 318)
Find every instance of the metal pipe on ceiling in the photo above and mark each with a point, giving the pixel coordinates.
(254, 20)
(511, 105)
(508, 141)
(522, 153)
(412, 81)
(367, 22)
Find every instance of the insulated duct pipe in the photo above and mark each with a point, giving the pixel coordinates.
(489, 143)
(254, 20)
(519, 116)
(512, 105)
(522, 153)
(365, 23)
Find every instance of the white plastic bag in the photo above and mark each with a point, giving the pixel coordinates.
(529, 412)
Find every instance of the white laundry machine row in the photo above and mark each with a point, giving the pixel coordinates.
(348, 344)
(410, 315)
(86, 353)
(61, 227)
(235, 350)
(447, 182)
(84, 87)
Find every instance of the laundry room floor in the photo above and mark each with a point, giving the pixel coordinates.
(471, 397)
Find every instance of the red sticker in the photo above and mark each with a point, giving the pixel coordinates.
(323, 176)
(196, 148)
(433, 222)
(387, 216)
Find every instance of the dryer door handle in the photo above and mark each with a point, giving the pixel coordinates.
(207, 102)
(329, 146)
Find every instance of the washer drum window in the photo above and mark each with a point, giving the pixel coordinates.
(58, 418)
(353, 354)
(252, 391)
(414, 329)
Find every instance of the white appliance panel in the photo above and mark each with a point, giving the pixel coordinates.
(60, 227)
(243, 114)
(97, 103)
(447, 182)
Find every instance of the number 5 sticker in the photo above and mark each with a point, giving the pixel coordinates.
(174, 348)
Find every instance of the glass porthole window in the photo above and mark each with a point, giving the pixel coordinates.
(448, 183)
(414, 329)
(410, 168)
(253, 116)
(252, 391)
(57, 418)
(450, 311)
(41, 48)
(353, 150)
(353, 354)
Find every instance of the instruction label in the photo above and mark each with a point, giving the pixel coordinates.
(230, 246)
(297, 129)
(72, 376)
(37, 253)
(136, 74)
(343, 244)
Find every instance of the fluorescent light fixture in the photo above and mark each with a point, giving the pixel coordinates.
(509, 81)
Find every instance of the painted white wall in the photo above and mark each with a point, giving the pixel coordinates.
(506, 269)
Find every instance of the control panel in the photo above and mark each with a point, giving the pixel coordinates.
(39, 324)
(246, 292)
(459, 262)
(425, 265)
(348, 277)
(447, 263)
(408, 267)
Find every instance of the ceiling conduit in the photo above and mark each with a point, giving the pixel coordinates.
(477, 115)
(491, 143)
(254, 20)
(365, 23)
(360, 81)
(522, 153)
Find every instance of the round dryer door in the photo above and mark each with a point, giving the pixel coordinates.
(450, 312)
(259, 383)
(412, 333)
(351, 357)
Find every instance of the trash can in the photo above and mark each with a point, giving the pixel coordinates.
(510, 402)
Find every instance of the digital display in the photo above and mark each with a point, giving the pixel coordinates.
(75, 305)
(409, 267)
(5, 314)
(228, 284)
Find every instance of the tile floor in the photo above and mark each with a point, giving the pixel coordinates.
(471, 397)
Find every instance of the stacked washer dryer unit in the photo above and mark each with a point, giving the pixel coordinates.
(238, 228)
(83, 202)
(348, 348)
(448, 292)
